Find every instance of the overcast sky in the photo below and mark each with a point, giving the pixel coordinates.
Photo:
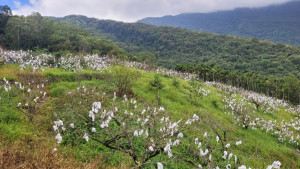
(128, 10)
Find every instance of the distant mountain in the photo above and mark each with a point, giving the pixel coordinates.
(278, 23)
(173, 46)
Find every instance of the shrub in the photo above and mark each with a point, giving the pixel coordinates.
(123, 78)
(175, 82)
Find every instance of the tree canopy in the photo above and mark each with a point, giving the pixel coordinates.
(173, 46)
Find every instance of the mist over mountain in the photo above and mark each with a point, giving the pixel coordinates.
(278, 23)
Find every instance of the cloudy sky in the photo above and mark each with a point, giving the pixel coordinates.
(128, 10)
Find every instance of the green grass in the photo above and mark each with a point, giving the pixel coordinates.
(56, 74)
(13, 124)
(9, 71)
(175, 100)
(259, 149)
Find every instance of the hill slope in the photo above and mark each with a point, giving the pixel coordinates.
(175, 45)
(278, 23)
(267, 132)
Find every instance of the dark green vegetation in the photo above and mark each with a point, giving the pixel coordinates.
(286, 88)
(40, 34)
(5, 14)
(278, 23)
(172, 46)
(179, 100)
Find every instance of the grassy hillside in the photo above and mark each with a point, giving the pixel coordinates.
(278, 23)
(268, 132)
(172, 46)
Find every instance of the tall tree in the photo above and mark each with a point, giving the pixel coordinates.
(16, 32)
(5, 14)
(4, 9)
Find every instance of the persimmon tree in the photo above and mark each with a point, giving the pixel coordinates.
(138, 129)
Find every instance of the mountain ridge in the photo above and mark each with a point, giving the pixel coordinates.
(173, 46)
(248, 22)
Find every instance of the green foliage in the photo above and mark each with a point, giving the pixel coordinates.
(195, 95)
(286, 88)
(123, 78)
(40, 34)
(215, 104)
(292, 85)
(6, 117)
(157, 83)
(5, 14)
(175, 82)
(146, 57)
(55, 74)
(64, 76)
(5, 10)
(173, 46)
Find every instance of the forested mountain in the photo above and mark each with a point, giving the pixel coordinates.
(278, 23)
(172, 46)
(35, 32)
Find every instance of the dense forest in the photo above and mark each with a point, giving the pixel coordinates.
(172, 46)
(38, 33)
(278, 23)
(286, 88)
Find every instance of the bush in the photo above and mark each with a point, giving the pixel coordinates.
(123, 78)
(175, 82)
(215, 104)
(1, 62)
(156, 83)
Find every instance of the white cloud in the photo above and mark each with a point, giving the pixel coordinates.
(32, 2)
(132, 10)
(17, 4)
